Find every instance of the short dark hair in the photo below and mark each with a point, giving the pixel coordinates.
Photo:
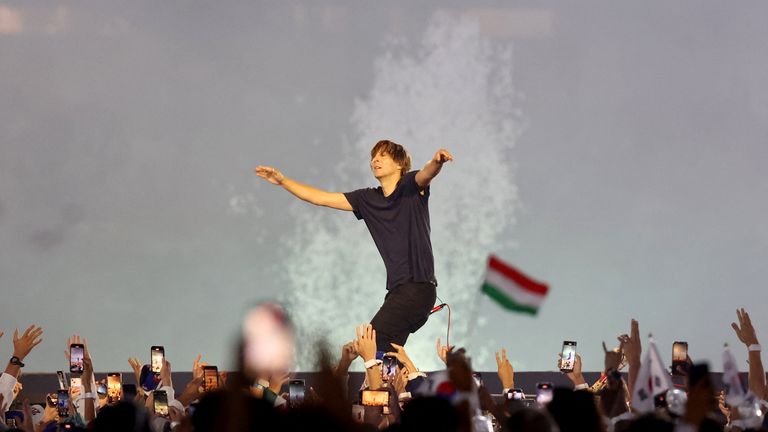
(398, 153)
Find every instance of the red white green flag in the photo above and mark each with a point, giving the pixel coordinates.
(512, 289)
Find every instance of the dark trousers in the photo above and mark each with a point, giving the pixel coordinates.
(406, 308)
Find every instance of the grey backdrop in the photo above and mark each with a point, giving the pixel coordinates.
(616, 150)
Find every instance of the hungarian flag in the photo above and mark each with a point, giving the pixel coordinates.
(512, 289)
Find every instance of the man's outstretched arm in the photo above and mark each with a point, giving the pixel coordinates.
(432, 168)
(307, 193)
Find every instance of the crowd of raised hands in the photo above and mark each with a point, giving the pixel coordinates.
(394, 396)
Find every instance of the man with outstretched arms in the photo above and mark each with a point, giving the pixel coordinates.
(397, 216)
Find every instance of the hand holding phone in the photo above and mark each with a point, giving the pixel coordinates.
(210, 378)
(114, 387)
(680, 358)
(568, 356)
(160, 402)
(296, 392)
(157, 356)
(62, 403)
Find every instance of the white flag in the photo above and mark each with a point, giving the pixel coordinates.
(652, 379)
(734, 390)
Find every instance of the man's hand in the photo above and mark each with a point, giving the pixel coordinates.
(277, 380)
(631, 344)
(23, 344)
(270, 174)
(401, 355)
(613, 358)
(197, 367)
(744, 329)
(505, 370)
(365, 344)
(442, 351)
(165, 374)
(136, 366)
(348, 353)
(400, 381)
(76, 339)
(442, 156)
(576, 376)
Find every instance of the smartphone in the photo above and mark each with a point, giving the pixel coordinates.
(114, 387)
(76, 353)
(478, 377)
(388, 367)
(210, 378)
(62, 380)
(680, 358)
(101, 389)
(568, 356)
(129, 392)
(161, 403)
(62, 403)
(543, 393)
(378, 398)
(157, 354)
(75, 385)
(515, 394)
(295, 392)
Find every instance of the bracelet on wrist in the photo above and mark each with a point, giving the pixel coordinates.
(755, 347)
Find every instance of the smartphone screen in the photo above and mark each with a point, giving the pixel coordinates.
(680, 358)
(62, 403)
(295, 392)
(568, 358)
(388, 367)
(157, 354)
(543, 393)
(210, 378)
(129, 392)
(75, 384)
(161, 403)
(76, 353)
(478, 377)
(62, 380)
(375, 398)
(114, 387)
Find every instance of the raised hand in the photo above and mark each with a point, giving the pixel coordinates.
(270, 174)
(348, 352)
(197, 366)
(136, 366)
(400, 381)
(22, 345)
(277, 380)
(366, 342)
(442, 156)
(402, 356)
(631, 344)
(505, 370)
(613, 357)
(744, 330)
(165, 374)
(76, 339)
(87, 374)
(442, 351)
(575, 375)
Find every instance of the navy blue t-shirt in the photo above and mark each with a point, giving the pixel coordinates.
(399, 225)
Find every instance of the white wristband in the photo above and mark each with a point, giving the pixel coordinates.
(755, 347)
(582, 386)
(404, 396)
(89, 396)
(371, 363)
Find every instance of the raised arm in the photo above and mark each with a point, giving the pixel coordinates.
(747, 335)
(432, 168)
(307, 193)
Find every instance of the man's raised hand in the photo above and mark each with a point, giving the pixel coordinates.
(442, 156)
(402, 356)
(23, 344)
(744, 330)
(366, 342)
(505, 370)
(631, 344)
(442, 351)
(270, 174)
